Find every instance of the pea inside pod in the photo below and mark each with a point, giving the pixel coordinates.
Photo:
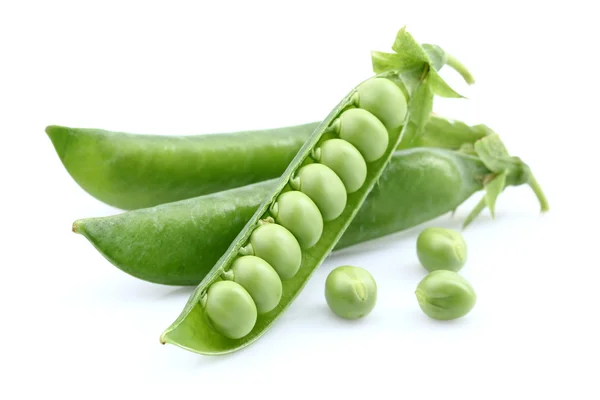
(324, 187)
(384, 99)
(300, 215)
(364, 131)
(345, 160)
(277, 246)
(230, 309)
(259, 279)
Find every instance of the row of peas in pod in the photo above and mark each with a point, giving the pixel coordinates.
(316, 194)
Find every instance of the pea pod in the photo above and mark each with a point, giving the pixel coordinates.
(177, 243)
(191, 329)
(131, 171)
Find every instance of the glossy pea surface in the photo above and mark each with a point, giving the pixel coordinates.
(230, 309)
(350, 292)
(278, 247)
(296, 212)
(259, 279)
(445, 295)
(441, 248)
(364, 131)
(384, 99)
(324, 187)
(345, 160)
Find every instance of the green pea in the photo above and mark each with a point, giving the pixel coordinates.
(324, 187)
(351, 292)
(259, 279)
(364, 131)
(230, 309)
(384, 99)
(345, 160)
(445, 295)
(300, 215)
(441, 248)
(278, 247)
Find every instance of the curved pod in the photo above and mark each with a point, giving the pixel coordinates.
(188, 330)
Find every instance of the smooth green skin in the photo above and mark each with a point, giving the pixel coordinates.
(324, 187)
(445, 295)
(345, 160)
(230, 309)
(277, 246)
(364, 131)
(296, 212)
(441, 248)
(131, 171)
(384, 99)
(350, 292)
(259, 279)
(178, 243)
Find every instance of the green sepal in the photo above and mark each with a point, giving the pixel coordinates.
(493, 190)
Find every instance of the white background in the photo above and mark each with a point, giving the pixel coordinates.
(75, 326)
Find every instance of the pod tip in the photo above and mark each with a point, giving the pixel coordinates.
(76, 227)
(59, 135)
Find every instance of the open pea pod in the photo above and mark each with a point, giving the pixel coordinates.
(239, 299)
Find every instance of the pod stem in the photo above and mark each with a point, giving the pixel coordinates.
(460, 68)
(247, 250)
(539, 193)
(228, 275)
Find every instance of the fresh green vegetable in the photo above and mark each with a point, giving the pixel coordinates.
(259, 279)
(271, 242)
(131, 171)
(441, 248)
(229, 309)
(350, 292)
(177, 243)
(445, 295)
(317, 238)
(321, 184)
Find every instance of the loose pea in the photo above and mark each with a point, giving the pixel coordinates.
(324, 187)
(445, 295)
(441, 248)
(230, 309)
(351, 292)
(300, 215)
(363, 130)
(278, 247)
(384, 99)
(259, 279)
(345, 160)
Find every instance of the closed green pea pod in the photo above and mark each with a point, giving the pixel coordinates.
(277, 246)
(345, 160)
(259, 279)
(364, 131)
(300, 215)
(384, 99)
(230, 309)
(324, 187)
(441, 248)
(445, 295)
